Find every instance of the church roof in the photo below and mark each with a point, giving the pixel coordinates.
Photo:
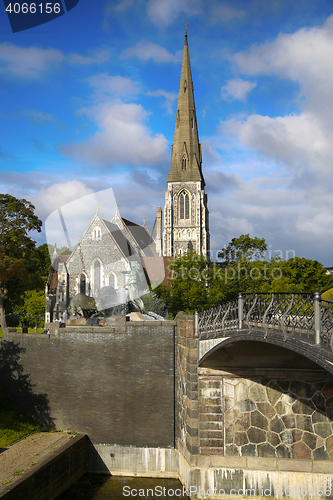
(139, 233)
(53, 274)
(119, 238)
(186, 150)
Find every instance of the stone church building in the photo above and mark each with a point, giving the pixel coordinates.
(105, 251)
(186, 217)
(102, 258)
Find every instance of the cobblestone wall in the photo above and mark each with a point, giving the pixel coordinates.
(267, 417)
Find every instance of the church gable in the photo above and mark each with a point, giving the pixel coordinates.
(99, 258)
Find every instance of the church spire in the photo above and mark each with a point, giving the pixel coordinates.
(186, 150)
(186, 216)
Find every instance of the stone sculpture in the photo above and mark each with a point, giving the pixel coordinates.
(83, 306)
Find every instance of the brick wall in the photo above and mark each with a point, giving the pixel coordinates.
(117, 388)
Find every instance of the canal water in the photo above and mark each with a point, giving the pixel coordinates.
(100, 487)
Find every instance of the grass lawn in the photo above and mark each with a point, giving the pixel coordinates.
(30, 330)
(14, 423)
(328, 295)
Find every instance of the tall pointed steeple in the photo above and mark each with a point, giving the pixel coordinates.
(186, 216)
(186, 150)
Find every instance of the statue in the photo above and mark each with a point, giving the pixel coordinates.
(82, 305)
(134, 276)
(110, 302)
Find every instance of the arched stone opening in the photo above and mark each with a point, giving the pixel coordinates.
(267, 401)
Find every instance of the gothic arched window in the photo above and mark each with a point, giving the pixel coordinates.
(96, 234)
(82, 284)
(97, 275)
(184, 205)
(112, 280)
(183, 163)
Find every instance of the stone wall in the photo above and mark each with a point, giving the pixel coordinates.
(187, 385)
(116, 387)
(254, 416)
(52, 476)
(269, 416)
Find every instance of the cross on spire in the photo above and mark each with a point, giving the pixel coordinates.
(186, 24)
(97, 208)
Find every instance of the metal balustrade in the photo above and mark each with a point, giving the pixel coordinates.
(301, 315)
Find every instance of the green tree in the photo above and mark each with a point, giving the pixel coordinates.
(36, 262)
(243, 249)
(303, 275)
(189, 285)
(33, 309)
(198, 283)
(17, 219)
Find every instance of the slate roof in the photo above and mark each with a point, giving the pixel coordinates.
(120, 239)
(53, 275)
(139, 233)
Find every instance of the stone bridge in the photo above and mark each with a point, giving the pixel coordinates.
(301, 322)
(255, 397)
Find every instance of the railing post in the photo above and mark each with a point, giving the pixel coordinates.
(240, 310)
(317, 316)
(196, 324)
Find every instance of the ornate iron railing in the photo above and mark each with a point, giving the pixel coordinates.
(292, 314)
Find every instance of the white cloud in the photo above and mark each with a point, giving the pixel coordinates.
(68, 222)
(283, 188)
(27, 62)
(122, 137)
(303, 143)
(224, 13)
(58, 194)
(123, 5)
(170, 97)
(107, 86)
(97, 58)
(237, 89)
(299, 141)
(164, 12)
(147, 50)
(37, 116)
(316, 225)
(304, 57)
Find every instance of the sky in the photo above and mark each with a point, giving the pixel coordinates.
(88, 103)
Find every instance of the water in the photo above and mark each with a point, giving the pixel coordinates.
(99, 487)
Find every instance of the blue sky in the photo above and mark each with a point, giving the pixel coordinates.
(88, 102)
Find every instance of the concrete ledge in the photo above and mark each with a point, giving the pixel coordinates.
(255, 463)
(243, 477)
(228, 462)
(53, 475)
(294, 465)
(132, 461)
(322, 466)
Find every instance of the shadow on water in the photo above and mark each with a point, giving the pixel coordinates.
(100, 487)
(17, 387)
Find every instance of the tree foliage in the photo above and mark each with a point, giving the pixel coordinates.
(189, 286)
(33, 309)
(243, 249)
(17, 219)
(198, 283)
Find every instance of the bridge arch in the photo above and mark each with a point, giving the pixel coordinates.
(275, 352)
